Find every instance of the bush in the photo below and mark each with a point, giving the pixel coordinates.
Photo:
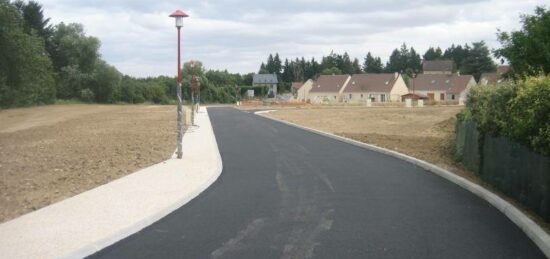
(519, 111)
(87, 95)
(530, 114)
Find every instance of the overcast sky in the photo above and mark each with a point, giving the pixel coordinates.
(139, 38)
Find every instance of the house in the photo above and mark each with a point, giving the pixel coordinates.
(438, 67)
(388, 87)
(443, 87)
(295, 87)
(328, 88)
(301, 90)
(268, 81)
(494, 78)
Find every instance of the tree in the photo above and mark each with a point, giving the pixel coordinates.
(372, 64)
(105, 83)
(263, 69)
(394, 63)
(356, 67)
(287, 75)
(414, 63)
(74, 48)
(277, 65)
(33, 15)
(433, 54)
(478, 61)
(26, 76)
(457, 54)
(528, 50)
(345, 64)
(331, 71)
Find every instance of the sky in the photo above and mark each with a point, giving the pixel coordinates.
(140, 40)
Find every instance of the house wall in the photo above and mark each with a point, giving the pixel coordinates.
(399, 88)
(324, 97)
(361, 97)
(464, 95)
(303, 92)
(437, 94)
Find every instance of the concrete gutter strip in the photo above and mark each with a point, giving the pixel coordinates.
(529, 227)
(88, 222)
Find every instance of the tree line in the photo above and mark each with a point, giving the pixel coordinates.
(473, 59)
(41, 62)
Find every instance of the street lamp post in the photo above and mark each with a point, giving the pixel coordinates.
(179, 15)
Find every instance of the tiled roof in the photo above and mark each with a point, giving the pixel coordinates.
(438, 65)
(503, 69)
(329, 83)
(449, 83)
(371, 83)
(264, 79)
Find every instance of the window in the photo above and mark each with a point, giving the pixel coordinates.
(335, 97)
(361, 96)
(350, 95)
(452, 96)
(382, 97)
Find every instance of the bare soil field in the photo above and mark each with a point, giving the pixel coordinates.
(425, 133)
(50, 153)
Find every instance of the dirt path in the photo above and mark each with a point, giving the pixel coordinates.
(54, 152)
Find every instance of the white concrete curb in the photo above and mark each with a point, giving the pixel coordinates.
(529, 227)
(88, 222)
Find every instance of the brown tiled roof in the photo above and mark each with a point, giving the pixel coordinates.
(449, 83)
(296, 85)
(438, 65)
(371, 83)
(492, 78)
(503, 69)
(329, 83)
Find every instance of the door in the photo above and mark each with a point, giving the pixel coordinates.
(431, 96)
(442, 97)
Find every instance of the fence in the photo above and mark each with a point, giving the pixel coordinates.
(506, 165)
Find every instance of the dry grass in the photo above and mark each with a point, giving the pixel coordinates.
(53, 152)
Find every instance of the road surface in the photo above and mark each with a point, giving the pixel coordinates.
(288, 193)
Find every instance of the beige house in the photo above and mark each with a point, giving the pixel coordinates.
(442, 87)
(387, 87)
(328, 88)
(301, 90)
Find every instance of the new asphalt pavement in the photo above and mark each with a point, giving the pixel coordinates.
(288, 193)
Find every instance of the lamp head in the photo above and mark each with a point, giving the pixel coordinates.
(179, 15)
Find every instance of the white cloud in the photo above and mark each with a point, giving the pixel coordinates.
(138, 37)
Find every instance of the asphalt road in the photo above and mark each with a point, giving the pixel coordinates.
(287, 193)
